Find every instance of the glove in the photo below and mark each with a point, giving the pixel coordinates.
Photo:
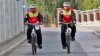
(60, 23)
(74, 22)
(41, 23)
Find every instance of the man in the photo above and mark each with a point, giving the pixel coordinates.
(34, 16)
(67, 15)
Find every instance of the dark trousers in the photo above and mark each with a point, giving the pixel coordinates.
(73, 31)
(63, 30)
(38, 32)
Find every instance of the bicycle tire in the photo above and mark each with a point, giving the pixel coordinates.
(34, 49)
(68, 43)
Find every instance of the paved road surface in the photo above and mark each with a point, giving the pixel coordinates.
(86, 44)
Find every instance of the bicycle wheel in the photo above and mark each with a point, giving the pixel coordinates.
(33, 46)
(33, 50)
(68, 43)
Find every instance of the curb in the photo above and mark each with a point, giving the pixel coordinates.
(8, 40)
(97, 34)
(9, 50)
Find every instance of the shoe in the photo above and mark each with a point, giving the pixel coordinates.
(64, 47)
(73, 39)
(29, 41)
(40, 46)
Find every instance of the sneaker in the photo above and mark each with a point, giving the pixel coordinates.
(40, 46)
(29, 41)
(73, 39)
(64, 47)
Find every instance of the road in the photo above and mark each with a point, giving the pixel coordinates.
(86, 44)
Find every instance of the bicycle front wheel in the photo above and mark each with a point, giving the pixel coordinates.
(34, 49)
(68, 43)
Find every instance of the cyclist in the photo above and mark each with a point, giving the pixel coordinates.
(67, 15)
(34, 16)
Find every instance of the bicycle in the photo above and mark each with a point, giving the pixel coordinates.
(68, 36)
(34, 39)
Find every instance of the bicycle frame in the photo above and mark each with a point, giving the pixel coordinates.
(68, 30)
(34, 35)
(34, 39)
(68, 36)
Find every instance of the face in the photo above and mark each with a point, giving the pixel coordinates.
(33, 9)
(66, 7)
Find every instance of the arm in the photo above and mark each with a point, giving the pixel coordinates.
(40, 17)
(60, 17)
(73, 16)
(26, 18)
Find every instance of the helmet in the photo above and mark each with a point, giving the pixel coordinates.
(66, 4)
(33, 6)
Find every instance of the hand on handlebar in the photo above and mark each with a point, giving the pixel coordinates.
(25, 23)
(41, 23)
(74, 22)
(60, 23)
(63, 23)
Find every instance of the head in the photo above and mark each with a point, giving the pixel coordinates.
(66, 5)
(33, 8)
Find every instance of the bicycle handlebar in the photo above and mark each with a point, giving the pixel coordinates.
(32, 24)
(65, 23)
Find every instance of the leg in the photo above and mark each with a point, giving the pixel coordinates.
(39, 38)
(73, 32)
(29, 30)
(63, 38)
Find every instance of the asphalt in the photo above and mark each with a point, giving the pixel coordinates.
(86, 44)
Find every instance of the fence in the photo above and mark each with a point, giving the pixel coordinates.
(89, 17)
(11, 19)
(86, 18)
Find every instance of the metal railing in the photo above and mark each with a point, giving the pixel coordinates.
(87, 18)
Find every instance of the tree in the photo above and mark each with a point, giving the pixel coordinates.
(89, 4)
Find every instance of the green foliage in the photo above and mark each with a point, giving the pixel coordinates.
(47, 7)
(85, 4)
(30, 2)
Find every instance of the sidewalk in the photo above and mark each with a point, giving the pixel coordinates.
(95, 29)
(11, 45)
(98, 32)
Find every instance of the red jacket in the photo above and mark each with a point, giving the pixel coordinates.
(33, 17)
(67, 16)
